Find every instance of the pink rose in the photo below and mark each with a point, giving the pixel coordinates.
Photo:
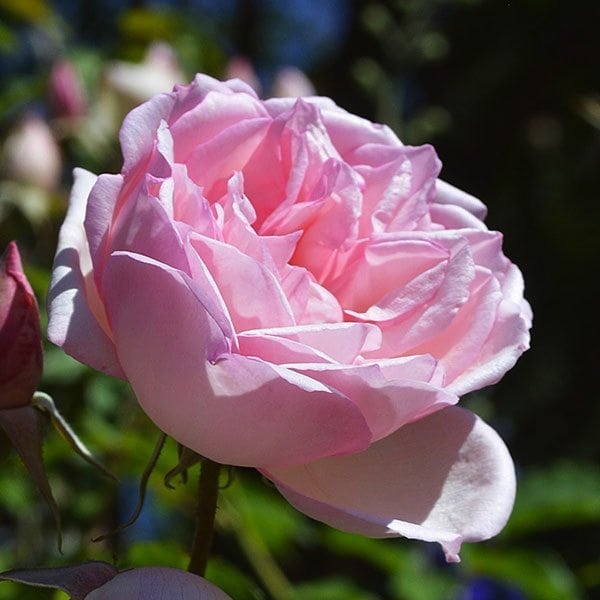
(287, 286)
(20, 337)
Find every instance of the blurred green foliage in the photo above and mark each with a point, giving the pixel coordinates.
(508, 92)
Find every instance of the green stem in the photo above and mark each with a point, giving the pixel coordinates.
(205, 516)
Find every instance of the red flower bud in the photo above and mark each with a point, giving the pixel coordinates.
(20, 337)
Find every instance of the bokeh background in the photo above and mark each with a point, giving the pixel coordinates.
(509, 94)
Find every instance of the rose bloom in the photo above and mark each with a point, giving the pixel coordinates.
(287, 286)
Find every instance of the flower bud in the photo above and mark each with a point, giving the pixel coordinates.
(67, 94)
(239, 67)
(291, 81)
(31, 154)
(20, 338)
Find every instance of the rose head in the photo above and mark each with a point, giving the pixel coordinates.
(20, 337)
(287, 286)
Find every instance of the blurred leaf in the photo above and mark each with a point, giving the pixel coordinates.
(232, 581)
(60, 368)
(236, 514)
(412, 574)
(24, 428)
(590, 574)
(146, 24)
(31, 11)
(539, 574)
(46, 404)
(104, 394)
(565, 494)
(17, 92)
(7, 38)
(162, 553)
(16, 491)
(39, 278)
(424, 126)
(279, 524)
(335, 588)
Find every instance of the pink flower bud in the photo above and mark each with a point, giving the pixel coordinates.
(20, 337)
(31, 154)
(291, 81)
(67, 94)
(239, 67)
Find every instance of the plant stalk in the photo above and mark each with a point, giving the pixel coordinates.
(206, 509)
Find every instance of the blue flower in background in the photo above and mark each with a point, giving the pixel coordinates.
(152, 522)
(482, 588)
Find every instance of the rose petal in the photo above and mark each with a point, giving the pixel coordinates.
(447, 478)
(387, 404)
(342, 342)
(508, 339)
(458, 346)
(157, 583)
(138, 132)
(215, 113)
(194, 390)
(448, 194)
(211, 164)
(251, 291)
(100, 210)
(77, 321)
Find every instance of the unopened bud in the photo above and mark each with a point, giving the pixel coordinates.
(20, 336)
(31, 154)
(67, 94)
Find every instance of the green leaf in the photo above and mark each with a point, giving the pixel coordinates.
(539, 574)
(566, 494)
(411, 573)
(232, 581)
(24, 428)
(331, 589)
(162, 553)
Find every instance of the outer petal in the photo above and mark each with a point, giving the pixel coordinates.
(387, 404)
(508, 339)
(77, 321)
(214, 114)
(138, 132)
(447, 478)
(448, 194)
(157, 583)
(231, 408)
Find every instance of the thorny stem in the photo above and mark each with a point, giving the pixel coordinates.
(205, 516)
